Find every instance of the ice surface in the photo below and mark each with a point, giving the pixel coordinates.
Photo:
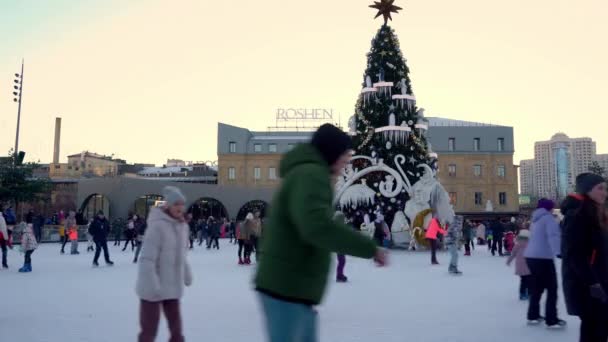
(65, 299)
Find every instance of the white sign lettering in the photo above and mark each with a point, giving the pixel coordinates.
(305, 114)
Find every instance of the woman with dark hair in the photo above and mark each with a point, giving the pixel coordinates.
(543, 247)
(585, 256)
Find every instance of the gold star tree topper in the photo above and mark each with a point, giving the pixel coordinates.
(385, 8)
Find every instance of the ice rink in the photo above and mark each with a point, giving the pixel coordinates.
(65, 299)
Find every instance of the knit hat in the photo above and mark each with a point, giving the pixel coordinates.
(100, 213)
(524, 234)
(331, 142)
(585, 182)
(546, 204)
(173, 195)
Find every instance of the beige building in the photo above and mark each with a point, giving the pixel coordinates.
(86, 164)
(475, 161)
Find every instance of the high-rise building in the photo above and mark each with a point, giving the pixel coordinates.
(557, 162)
(526, 172)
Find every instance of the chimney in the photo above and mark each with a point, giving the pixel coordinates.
(57, 140)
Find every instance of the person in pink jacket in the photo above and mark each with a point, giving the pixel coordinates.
(521, 267)
(431, 236)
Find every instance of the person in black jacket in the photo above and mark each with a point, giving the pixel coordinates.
(100, 228)
(585, 256)
(498, 231)
(141, 226)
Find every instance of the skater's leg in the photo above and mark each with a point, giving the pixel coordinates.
(536, 288)
(149, 316)
(551, 286)
(287, 321)
(98, 248)
(106, 253)
(340, 268)
(174, 319)
(4, 253)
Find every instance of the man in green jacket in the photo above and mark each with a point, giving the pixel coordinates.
(301, 235)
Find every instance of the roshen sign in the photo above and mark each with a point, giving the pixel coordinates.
(305, 114)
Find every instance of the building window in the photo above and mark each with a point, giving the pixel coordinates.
(501, 144)
(477, 170)
(452, 170)
(501, 171)
(502, 198)
(453, 198)
(272, 148)
(452, 144)
(272, 173)
(476, 144)
(257, 173)
(231, 173)
(478, 198)
(290, 147)
(232, 147)
(257, 148)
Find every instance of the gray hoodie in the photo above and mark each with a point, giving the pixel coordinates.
(545, 236)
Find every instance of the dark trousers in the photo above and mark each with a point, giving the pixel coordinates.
(433, 244)
(214, 242)
(341, 264)
(38, 233)
(132, 241)
(191, 242)
(524, 285)
(497, 246)
(543, 278)
(248, 249)
(28, 257)
(149, 317)
(4, 252)
(64, 240)
(99, 246)
(467, 246)
(117, 239)
(241, 245)
(254, 246)
(137, 250)
(594, 325)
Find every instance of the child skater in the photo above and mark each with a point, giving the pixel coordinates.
(521, 268)
(28, 245)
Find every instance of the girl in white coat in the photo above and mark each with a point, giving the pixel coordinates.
(163, 268)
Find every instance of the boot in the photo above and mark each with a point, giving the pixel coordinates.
(454, 270)
(241, 261)
(247, 261)
(109, 263)
(342, 279)
(467, 253)
(29, 267)
(23, 269)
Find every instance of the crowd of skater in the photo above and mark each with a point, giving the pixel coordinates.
(301, 233)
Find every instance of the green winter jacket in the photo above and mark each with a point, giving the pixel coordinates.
(301, 235)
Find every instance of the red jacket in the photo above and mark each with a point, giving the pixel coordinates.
(434, 229)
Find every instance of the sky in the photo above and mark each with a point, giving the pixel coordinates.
(148, 80)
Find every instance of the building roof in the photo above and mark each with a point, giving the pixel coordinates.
(443, 122)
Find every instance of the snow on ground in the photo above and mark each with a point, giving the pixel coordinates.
(65, 299)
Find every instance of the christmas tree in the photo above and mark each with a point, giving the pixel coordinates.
(392, 175)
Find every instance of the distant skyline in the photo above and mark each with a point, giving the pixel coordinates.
(148, 80)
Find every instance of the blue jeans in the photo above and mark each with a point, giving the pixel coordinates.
(453, 249)
(289, 322)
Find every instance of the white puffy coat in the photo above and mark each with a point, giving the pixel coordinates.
(163, 268)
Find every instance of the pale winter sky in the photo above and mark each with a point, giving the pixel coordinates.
(148, 80)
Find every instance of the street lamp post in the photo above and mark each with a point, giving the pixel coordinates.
(18, 93)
